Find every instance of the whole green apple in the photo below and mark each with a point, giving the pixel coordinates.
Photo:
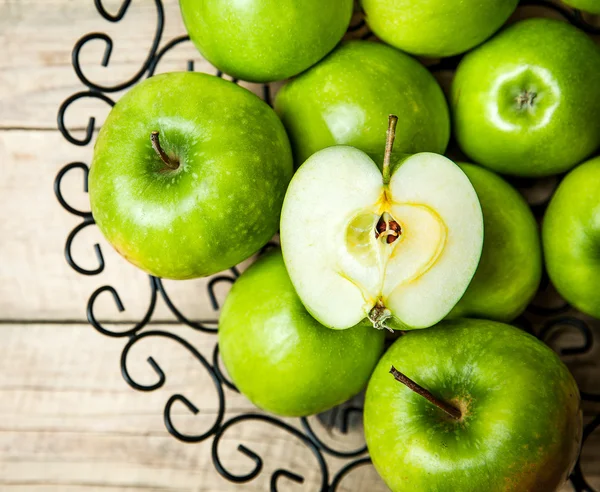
(591, 6)
(279, 356)
(265, 40)
(514, 422)
(347, 97)
(527, 102)
(571, 238)
(436, 27)
(189, 174)
(510, 268)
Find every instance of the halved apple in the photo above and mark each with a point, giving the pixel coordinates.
(398, 247)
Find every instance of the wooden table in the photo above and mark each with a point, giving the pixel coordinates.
(68, 420)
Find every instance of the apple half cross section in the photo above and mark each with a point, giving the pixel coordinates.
(398, 247)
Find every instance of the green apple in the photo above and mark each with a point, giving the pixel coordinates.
(591, 6)
(514, 422)
(265, 40)
(346, 99)
(510, 269)
(571, 238)
(189, 174)
(436, 27)
(527, 102)
(398, 247)
(279, 356)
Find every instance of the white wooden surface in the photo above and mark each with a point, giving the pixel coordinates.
(68, 421)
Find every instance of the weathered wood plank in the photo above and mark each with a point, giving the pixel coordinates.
(68, 421)
(38, 37)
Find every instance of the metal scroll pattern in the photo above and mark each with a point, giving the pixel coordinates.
(555, 321)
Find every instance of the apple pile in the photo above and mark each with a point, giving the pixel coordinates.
(380, 232)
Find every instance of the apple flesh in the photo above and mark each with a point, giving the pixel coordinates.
(571, 238)
(519, 426)
(527, 102)
(400, 253)
(436, 28)
(279, 356)
(510, 269)
(347, 97)
(265, 40)
(213, 199)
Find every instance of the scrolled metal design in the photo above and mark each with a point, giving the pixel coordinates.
(577, 478)
(338, 453)
(89, 131)
(135, 339)
(556, 320)
(347, 469)
(98, 252)
(196, 325)
(560, 325)
(117, 299)
(85, 215)
(108, 49)
(58, 187)
(258, 461)
(169, 46)
(219, 372)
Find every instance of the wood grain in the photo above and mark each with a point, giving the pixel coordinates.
(38, 37)
(68, 420)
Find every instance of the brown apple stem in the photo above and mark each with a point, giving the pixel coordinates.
(442, 405)
(154, 138)
(389, 145)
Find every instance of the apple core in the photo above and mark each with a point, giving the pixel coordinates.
(526, 99)
(401, 246)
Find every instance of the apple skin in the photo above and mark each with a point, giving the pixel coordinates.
(571, 238)
(510, 268)
(223, 202)
(436, 28)
(347, 97)
(265, 40)
(591, 6)
(279, 356)
(521, 427)
(549, 58)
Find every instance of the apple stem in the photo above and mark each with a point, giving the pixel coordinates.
(389, 145)
(154, 138)
(454, 412)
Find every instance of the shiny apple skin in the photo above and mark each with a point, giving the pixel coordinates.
(279, 356)
(265, 40)
(571, 237)
(346, 100)
(510, 268)
(223, 202)
(436, 28)
(553, 62)
(522, 424)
